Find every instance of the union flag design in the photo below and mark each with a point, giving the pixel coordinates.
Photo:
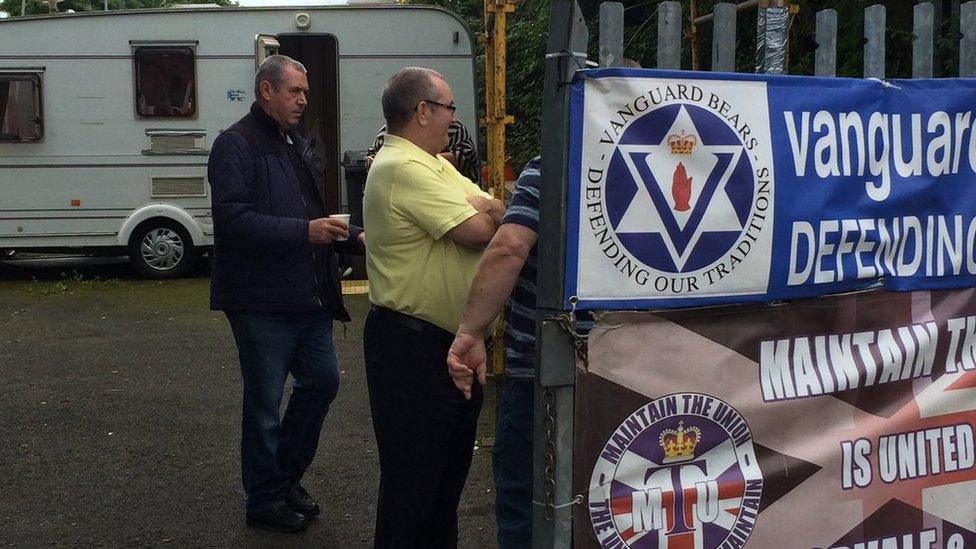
(679, 447)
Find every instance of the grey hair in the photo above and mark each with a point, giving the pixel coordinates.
(272, 69)
(405, 89)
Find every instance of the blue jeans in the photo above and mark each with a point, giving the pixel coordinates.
(276, 451)
(512, 464)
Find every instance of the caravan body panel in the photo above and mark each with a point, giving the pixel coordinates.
(94, 174)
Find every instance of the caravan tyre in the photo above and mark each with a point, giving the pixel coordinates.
(161, 248)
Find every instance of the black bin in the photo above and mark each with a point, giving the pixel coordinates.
(354, 165)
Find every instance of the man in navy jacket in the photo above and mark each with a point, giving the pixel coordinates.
(275, 278)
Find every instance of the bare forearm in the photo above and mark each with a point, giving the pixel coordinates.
(475, 232)
(492, 207)
(491, 287)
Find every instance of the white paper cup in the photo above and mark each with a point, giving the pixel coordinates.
(341, 217)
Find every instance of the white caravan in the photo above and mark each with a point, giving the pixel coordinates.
(106, 118)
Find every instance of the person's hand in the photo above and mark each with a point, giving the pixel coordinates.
(480, 203)
(368, 161)
(325, 230)
(466, 359)
(491, 206)
(449, 156)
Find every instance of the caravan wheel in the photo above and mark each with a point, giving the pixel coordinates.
(161, 248)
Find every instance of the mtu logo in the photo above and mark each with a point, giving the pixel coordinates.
(677, 188)
(679, 473)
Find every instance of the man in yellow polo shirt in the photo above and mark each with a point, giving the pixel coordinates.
(427, 226)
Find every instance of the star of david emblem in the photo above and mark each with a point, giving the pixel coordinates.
(680, 194)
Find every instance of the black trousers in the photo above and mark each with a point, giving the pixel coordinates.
(424, 429)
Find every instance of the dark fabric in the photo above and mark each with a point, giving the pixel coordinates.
(418, 325)
(310, 194)
(275, 454)
(425, 434)
(262, 259)
(512, 464)
(315, 209)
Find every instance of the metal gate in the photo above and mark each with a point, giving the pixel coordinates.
(559, 346)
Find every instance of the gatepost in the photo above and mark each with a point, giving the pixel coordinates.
(559, 350)
(555, 377)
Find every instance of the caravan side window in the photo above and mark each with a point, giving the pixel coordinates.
(20, 107)
(165, 81)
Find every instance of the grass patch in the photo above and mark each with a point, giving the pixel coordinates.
(70, 283)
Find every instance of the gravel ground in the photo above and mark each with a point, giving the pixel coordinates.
(119, 420)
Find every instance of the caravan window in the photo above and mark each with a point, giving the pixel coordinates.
(165, 82)
(20, 107)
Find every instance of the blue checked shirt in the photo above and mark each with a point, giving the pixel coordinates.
(520, 309)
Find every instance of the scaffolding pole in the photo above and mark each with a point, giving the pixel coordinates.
(495, 120)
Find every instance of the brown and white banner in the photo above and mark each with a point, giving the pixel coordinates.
(841, 422)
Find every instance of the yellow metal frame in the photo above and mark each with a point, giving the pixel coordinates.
(495, 120)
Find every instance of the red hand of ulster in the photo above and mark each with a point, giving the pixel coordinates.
(681, 188)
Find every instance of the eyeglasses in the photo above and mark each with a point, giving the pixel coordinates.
(452, 107)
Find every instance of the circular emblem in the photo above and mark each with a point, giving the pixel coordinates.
(679, 472)
(680, 188)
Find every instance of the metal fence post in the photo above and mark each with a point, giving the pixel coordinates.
(611, 34)
(937, 20)
(772, 39)
(723, 37)
(566, 54)
(874, 47)
(954, 15)
(825, 63)
(967, 45)
(669, 35)
(954, 30)
(923, 46)
(555, 377)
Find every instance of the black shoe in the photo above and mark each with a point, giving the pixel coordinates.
(300, 502)
(279, 518)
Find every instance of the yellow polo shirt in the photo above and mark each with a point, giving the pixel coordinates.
(411, 201)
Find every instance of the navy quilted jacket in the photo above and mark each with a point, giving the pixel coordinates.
(263, 260)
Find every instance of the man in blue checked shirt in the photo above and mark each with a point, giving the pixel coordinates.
(507, 272)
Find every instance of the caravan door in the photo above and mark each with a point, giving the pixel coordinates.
(320, 55)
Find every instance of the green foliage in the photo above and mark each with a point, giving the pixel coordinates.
(39, 7)
(527, 40)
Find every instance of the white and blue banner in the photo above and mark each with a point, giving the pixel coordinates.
(705, 188)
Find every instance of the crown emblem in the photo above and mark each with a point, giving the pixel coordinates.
(682, 143)
(679, 445)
